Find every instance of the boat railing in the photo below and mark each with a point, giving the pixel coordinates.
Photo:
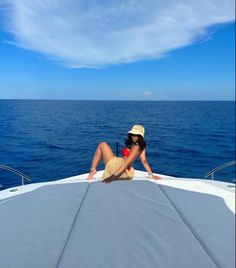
(12, 170)
(213, 171)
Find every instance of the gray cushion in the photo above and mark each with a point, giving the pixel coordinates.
(210, 220)
(121, 224)
(131, 224)
(34, 227)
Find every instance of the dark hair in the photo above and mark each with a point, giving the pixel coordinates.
(141, 142)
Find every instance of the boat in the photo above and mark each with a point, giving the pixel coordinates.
(69, 223)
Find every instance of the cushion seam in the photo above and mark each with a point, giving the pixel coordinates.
(72, 227)
(197, 237)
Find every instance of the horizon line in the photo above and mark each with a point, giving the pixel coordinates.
(106, 100)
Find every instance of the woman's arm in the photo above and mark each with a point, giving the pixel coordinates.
(146, 165)
(134, 153)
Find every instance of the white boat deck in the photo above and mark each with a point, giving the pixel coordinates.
(173, 222)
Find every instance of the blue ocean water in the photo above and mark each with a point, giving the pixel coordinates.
(49, 140)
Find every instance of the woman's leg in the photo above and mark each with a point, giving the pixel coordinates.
(103, 152)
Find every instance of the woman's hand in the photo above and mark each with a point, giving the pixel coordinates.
(155, 177)
(109, 179)
(91, 173)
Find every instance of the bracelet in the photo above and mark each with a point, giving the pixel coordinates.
(93, 169)
(150, 175)
(116, 174)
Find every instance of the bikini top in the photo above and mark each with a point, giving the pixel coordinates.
(125, 152)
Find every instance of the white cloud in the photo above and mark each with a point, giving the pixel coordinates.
(147, 93)
(94, 33)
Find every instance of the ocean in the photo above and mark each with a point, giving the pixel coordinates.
(54, 139)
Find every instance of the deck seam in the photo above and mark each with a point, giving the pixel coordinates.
(198, 238)
(72, 227)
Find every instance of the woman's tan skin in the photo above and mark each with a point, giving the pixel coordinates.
(104, 152)
(146, 165)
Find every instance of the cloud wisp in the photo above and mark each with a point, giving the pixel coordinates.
(147, 93)
(99, 33)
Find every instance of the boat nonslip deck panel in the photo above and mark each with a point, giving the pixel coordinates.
(120, 224)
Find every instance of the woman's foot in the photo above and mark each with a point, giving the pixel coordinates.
(91, 173)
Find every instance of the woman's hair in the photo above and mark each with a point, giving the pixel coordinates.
(141, 142)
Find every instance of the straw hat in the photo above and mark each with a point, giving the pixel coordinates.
(137, 130)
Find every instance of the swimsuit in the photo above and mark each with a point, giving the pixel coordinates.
(125, 152)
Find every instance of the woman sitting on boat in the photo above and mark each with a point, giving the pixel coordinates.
(117, 168)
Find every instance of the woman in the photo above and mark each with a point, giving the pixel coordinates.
(117, 168)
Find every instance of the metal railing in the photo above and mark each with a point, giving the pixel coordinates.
(12, 170)
(213, 171)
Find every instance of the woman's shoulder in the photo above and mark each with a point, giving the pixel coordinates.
(135, 146)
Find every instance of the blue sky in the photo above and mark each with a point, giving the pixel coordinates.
(117, 50)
